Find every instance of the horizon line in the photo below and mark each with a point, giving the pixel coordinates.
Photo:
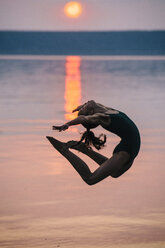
(89, 57)
(87, 31)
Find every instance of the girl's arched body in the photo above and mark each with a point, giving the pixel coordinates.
(91, 115)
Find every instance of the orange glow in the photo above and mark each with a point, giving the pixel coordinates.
(73, 9)
(72, 85)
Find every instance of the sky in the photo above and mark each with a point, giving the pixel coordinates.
(96, 15)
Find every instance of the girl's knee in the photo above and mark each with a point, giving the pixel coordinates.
(115, 175)
(89, 181)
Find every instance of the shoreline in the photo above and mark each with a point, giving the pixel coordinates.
(86, 57)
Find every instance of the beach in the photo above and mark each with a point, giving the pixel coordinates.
(44, 202)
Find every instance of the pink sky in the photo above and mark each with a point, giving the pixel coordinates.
(97, 15)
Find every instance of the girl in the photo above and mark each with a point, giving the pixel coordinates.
(91, 115)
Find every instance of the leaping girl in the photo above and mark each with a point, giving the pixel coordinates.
(91, 115)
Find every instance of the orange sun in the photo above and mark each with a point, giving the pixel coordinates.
(73, 9)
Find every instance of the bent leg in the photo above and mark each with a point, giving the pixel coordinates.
(79, 165)
(123, 170)
(97, 157)
(109, 167)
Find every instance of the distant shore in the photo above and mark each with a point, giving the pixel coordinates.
(132, 43)
(86, 57)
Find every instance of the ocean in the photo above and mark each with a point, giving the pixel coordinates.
(44, 202)
(105, 43)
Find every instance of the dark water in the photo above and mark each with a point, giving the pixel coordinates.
(83, 43)
(44, 203)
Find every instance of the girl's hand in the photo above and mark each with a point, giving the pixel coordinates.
(77, 109)
(61, 128)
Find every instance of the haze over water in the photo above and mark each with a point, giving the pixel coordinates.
(44, 202)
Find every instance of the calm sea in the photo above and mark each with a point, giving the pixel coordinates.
(44, 202)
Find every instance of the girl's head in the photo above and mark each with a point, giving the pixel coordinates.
(87, 108)
(90, 108)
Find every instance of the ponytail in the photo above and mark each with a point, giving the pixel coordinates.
(91, 140)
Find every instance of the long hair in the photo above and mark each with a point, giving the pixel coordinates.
(91, 140)
(88, 136)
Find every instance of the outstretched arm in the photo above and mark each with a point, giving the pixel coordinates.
(79, 120)
(95, 119)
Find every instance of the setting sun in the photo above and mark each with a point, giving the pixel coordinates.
(73, 9)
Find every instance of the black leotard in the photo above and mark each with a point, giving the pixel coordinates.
(126, 129)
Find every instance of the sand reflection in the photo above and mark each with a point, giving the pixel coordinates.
(111, 231)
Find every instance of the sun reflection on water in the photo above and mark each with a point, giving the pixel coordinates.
(72, 85)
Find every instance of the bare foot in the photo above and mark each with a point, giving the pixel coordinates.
(72, 143)
(58, 145)
(77, 146)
